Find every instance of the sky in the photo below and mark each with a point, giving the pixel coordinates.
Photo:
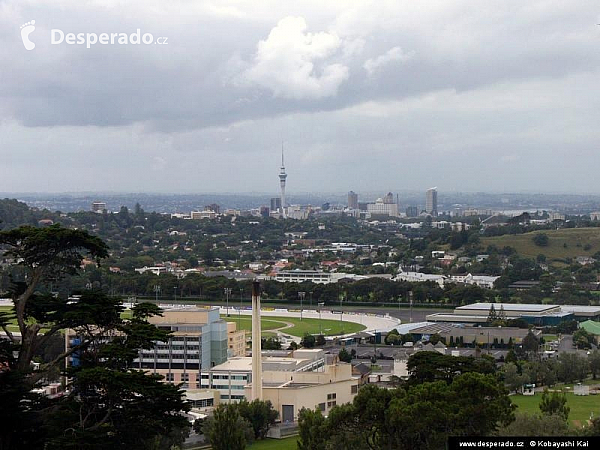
(364, 96)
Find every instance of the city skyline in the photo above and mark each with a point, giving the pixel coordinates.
(368, 98)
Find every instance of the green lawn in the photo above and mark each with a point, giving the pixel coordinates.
(581, 406)
(574, 238)
(279, 444)
(301, 327)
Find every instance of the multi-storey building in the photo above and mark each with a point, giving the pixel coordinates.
(199, 339)
(352, 200)
(431, 205)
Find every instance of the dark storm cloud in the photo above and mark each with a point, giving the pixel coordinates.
(373, 85)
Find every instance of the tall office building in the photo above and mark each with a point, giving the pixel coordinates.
(388, 199)
(412, 211)
(275, 204)
(352, 200)
(431, 201)
(282, 178)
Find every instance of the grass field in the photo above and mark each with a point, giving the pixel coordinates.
(279, 444)
(574, 238)
(300, 327)
(581, 406)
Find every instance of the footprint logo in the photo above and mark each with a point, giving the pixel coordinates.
(26, 30)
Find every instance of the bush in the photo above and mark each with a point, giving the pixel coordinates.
(541, 240)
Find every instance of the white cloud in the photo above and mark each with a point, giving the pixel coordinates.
(372, 65)
(295, 64)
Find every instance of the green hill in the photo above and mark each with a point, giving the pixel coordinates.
(562, 244)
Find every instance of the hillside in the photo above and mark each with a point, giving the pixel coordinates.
(579, 242)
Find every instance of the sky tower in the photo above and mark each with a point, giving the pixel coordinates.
(282, 178)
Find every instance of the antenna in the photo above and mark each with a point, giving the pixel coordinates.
(282, 165)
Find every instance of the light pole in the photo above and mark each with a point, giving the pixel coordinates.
(410, 300)
(301, 295)
(156, 291)
(240, 311)
(310, 293)
(227, 294)
(174, 293)
(341, 313)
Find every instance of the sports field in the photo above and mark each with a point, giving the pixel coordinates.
(582, 406)
(298, 327)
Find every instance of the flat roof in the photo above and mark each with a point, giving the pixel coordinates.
(581, 309)
(507, 307)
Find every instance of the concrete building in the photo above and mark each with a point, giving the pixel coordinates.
(412, 211)
(98, 207)
(380, 207)
(535, 314)
(298, 276)
(199, 215)
(431, 205)
(199, 339)
(275, 204)
(485, 336)
(231, 377)
(352, 200)
(289, 392)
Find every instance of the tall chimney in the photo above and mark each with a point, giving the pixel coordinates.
(256, 343)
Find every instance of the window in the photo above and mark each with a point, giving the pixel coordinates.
(354, 389)
(185, 377)
(170, 377)
(331, 396)
(321, 406)
(331, 404)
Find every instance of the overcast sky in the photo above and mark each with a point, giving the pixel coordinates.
(381, 95)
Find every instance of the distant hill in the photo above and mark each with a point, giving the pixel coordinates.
(14, 213)
(579, 242)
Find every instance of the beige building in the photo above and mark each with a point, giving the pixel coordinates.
(199, 339)
(289, 392)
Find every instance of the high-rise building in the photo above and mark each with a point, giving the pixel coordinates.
(431, 201)
(275, 203)
(412, 211)
(352, 200)
(282, 178)
(389, 199)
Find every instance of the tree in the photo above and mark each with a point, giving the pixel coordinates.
(344, 356)
(308, 341)
(312, 430)
(530, 342)
(271, 344)
(226, 429)
(582, 339)
(109, 402)
(45, 255)
(536, 425)
(320, 340)
(555, 404)
(571, 367)
(260, 415)
(513, 380)
(415, 417)
(594, 362)
(492, 316)
(541, 239)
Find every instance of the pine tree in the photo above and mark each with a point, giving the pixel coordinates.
(492, 316)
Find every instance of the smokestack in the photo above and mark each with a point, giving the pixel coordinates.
(256, 343)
